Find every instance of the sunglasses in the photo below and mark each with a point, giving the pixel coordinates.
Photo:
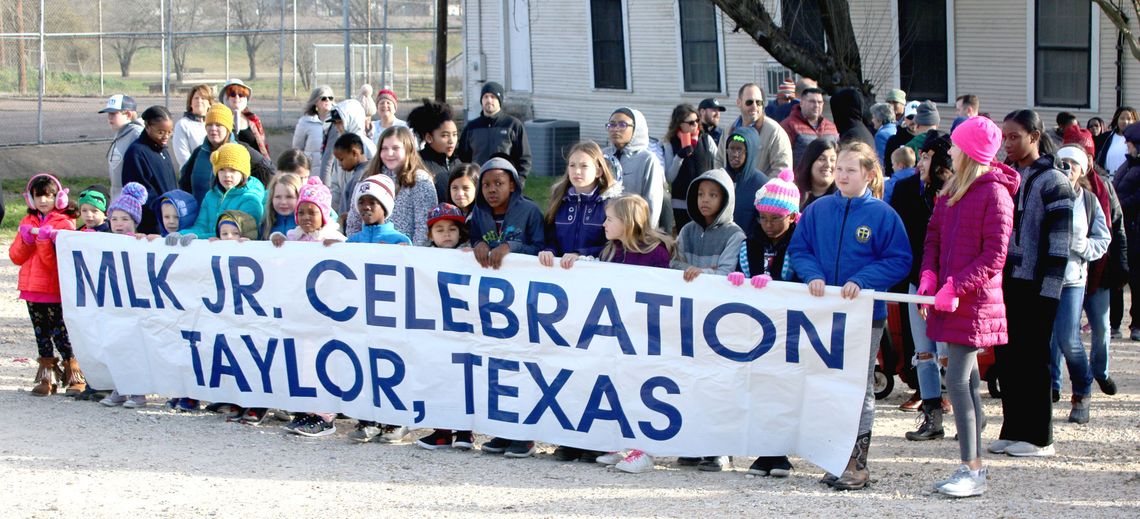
(328, 98)
(618, 125)
(751, 102)
(689, 122)
(237, 93)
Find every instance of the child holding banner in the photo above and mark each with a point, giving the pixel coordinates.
(574, 226)
(964, 253)
(281, 204)
(49, 211)
(126, 213)
(93, 209)
(233, 188)
(763, 258)
(867, 249)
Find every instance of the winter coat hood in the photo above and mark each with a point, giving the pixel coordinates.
(246, 225)
(352, 113)
(724, 215)
(752, 149)
(1004, 175)
(505, 165)
(640, 139)
(184, 204)
(847, 109)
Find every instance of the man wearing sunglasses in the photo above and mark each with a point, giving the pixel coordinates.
(775, 153)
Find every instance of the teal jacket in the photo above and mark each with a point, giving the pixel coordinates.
(249, 199)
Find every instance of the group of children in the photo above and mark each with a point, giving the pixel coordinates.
(851, 240)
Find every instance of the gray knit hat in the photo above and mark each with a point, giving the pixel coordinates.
(927, 114)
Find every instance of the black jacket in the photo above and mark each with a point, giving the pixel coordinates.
(847, 112)
(500, 133)
(915, 206)
(440, 168)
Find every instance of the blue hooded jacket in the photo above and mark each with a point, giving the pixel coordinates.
(747, 180)
(522, 224)
(184, 204)
(385, 233)
(577, 226)
(859, 239)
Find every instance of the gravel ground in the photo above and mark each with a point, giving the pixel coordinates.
(62, 458)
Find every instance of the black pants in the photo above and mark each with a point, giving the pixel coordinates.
(47, 321)
(680, 218)
(1133, 286)
(1115, 308)
(1023, 364)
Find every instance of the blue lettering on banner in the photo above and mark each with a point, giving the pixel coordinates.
(387, 384)
(686, 327)
(549, 398)
(798, 320)
(605, 302)
(135, 301)
(414, 323)
(535, 319)
(108, 278)
(158, 284)
(653, 304)
(246, 291)
(468, 361)
(218, 304)
(372, 295)
(195, 359)
(449, 304)
(604, 388)
(229, 367)
(323, 375)
(295, 387)
(501, 307)
(673, 425)
(315, 300)
(767, 329)
(496, 390)
(264, 363)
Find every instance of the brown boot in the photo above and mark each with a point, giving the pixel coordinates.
(73, 377)
(46, 380)
(856, 476)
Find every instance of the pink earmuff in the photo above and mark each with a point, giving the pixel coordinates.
(61, 199)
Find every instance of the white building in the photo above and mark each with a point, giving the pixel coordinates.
(581, 59)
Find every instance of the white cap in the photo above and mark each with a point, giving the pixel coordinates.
(1074, 154)
(118, 103)
(910, 109)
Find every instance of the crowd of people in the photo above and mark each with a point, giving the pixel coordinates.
(880, 198)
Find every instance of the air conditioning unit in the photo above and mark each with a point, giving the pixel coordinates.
(550, 140)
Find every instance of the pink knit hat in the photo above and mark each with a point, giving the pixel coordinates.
(978, 137)
(316, 193)
(779, 196)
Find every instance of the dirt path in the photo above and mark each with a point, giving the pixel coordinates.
(62, 458)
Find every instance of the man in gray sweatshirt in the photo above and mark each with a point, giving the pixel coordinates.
(122, 115)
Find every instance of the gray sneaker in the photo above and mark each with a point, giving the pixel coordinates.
(393, 433)
(1135, 334)
(963, 483)
(365, 432)
(1026, 449)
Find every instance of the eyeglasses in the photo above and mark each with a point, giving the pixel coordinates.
(689, 122)
(237, 93)
(328, 98)
(618, 125)
(750, 102)
(160, 133)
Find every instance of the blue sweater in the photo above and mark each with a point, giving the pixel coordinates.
(379, 233)
(522, 229)
(860, 239)
(148, 163)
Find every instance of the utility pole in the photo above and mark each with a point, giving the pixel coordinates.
(441, 51)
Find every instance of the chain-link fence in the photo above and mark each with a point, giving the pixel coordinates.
(61, 59)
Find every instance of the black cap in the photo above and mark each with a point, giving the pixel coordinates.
(711, 103)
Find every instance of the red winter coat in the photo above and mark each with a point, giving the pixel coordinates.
(38, 272)
(968, 241)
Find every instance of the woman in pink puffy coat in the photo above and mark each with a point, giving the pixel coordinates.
(964, 254)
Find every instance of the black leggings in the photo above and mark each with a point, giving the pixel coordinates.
(47, 321)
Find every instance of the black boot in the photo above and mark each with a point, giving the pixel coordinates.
(931, 427)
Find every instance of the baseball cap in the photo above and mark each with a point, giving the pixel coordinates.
(910, 109)
(895, 95)
(711, 103)
(118, 103)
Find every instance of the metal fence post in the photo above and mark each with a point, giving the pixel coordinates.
(347, 54)
(43, 82)
(163, 19)
(281, 70)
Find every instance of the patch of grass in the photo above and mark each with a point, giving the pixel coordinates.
(538, 189)
(13, 192)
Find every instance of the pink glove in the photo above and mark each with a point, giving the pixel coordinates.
(761, 281)
(927, 282)
(47, 232)
(946, 300)
(736, 278)
(25, 233)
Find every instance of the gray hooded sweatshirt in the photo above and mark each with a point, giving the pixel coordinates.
(641, 171)
(714, 248)
(126, 135)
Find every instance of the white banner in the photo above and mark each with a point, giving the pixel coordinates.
(601, 356)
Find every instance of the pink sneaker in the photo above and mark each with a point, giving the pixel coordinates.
(636, 462)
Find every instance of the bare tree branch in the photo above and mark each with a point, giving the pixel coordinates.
(1120, 19)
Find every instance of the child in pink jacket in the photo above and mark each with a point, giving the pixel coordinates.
(964, 253)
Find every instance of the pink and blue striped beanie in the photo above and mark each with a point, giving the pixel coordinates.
(779, 196)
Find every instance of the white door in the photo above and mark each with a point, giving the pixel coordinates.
(518, 45)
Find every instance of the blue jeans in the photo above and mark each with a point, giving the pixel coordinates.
(1096, 309)
(1067, 341)
(928, 370)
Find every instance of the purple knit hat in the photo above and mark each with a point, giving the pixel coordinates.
(979, 138)
(779, 196)
(130, 201)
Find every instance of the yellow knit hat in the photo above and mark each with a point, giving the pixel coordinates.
(231, 155)
(220, 114)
